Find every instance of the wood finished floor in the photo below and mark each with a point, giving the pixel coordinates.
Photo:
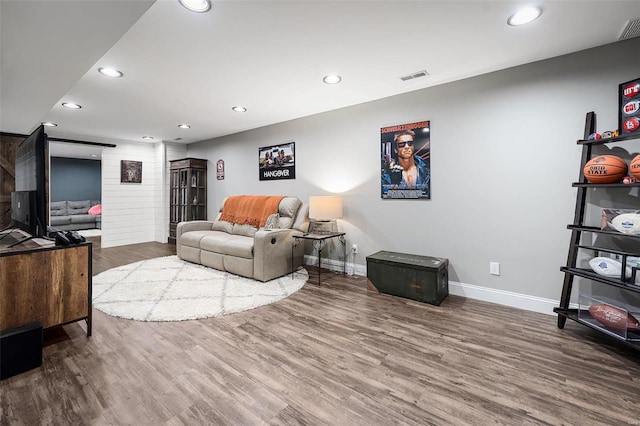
(329, 355)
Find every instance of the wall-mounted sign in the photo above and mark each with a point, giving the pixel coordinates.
(277, 162)
(220, 169)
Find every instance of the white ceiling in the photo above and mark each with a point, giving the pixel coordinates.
(269, 56)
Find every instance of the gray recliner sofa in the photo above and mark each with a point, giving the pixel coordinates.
(74, 215)
(259, 253)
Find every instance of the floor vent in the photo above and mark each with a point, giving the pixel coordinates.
(417, 74)
(632, 30)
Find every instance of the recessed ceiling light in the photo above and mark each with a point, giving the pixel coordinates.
(332, 79)
(184, 126)
(49, 124)
(147, 138)
(196, 5)
(239, 109)
(94, 155)
(524, 16)
(110, 72)
(71, 105)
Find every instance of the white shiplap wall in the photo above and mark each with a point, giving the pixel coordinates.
(130, 211)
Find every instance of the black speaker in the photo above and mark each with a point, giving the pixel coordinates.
(20, 349)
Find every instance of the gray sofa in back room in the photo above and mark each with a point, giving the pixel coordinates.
(74, 215)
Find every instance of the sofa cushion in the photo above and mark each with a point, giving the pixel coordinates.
(78, 207)
(58, 208)
(60, 220)
(239, 246)
(223, 225)
(211, 240)
(82, 218)
(287, 210)
(193, 238)
(245, 230)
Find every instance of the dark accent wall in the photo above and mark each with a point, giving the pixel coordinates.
(75, 179)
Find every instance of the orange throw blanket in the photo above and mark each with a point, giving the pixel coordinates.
(250, 209)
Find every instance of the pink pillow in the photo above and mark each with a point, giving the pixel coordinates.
(96, 210)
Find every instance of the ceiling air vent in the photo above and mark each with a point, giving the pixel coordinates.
(631, 30)
(417, 74)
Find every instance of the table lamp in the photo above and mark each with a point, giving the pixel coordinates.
(324, 209)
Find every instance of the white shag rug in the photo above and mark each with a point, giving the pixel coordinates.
(170, 289)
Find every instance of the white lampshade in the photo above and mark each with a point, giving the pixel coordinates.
(325, 207)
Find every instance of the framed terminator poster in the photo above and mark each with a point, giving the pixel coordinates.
(277, 162)
(406, 161)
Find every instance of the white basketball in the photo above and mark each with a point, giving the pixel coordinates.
(627, 223)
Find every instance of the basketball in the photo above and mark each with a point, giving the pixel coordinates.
(605, 169)
(634, 167)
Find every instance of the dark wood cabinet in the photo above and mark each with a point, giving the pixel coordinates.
(187, 192)
(589, 240)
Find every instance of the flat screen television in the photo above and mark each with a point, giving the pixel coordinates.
(23, 214)
(29, 202)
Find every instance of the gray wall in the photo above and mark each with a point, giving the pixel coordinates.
(503, 157)
(75, 179)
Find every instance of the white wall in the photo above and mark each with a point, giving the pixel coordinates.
(129, 210)
(503, 159)
(137, 213)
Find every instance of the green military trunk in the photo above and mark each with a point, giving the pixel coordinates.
(421, 278)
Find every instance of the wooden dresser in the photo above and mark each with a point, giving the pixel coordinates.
(50, 284)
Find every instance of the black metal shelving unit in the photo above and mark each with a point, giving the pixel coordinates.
(578, 228)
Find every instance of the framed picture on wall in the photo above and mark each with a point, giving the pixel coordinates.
(277, 162)
(406, 161)
(130, 171)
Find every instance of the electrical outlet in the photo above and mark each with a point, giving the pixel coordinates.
(494, 268)
(354, 248)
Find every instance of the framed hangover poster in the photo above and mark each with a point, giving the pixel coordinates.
(277, 162)
(406, 161)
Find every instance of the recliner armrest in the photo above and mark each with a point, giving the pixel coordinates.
(272, 253)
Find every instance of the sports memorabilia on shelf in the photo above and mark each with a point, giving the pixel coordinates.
(613, 317)
(605, 169)
(629, 107)
(634, 167)
(624, 221)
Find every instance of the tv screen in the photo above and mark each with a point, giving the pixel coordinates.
(31, 170)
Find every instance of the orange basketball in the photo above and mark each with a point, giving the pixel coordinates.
(634, 167)
(605, 169)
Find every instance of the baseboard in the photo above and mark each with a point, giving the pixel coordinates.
(501, 297)
(337, 265)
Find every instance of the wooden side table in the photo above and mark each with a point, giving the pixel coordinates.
(318, 242)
